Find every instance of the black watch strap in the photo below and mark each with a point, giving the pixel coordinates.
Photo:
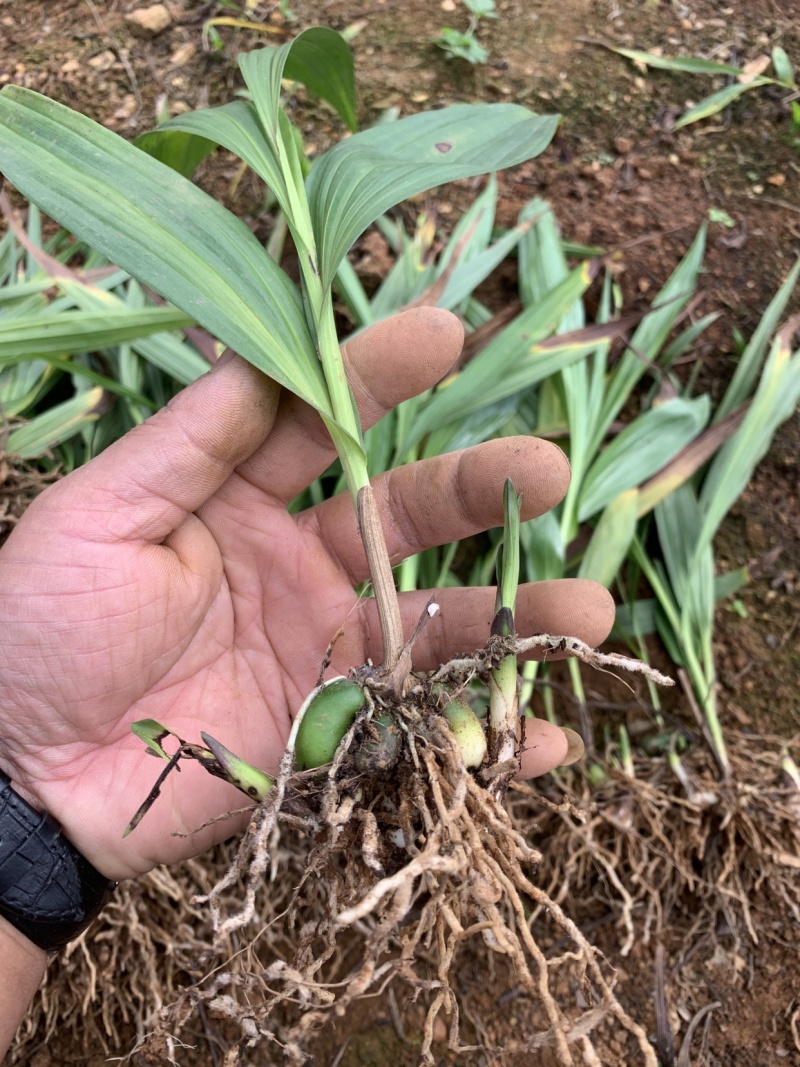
(48, 890)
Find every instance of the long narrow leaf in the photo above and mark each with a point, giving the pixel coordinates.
(611, 539)
(687, 64)
(775, 400)
(717, 102)
(741, 384)
(688, 461)
(506, 365)
(81, 331)
(57, 424)
(160, 228)
(648, 340)
(640, 450)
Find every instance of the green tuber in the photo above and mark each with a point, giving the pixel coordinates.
(327, 715)
(467, 730)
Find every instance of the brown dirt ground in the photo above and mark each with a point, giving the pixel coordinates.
(619, 179)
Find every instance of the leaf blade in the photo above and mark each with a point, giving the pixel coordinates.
(159, 227)
(363, 176)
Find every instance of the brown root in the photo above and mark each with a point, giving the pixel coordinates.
(689, 875)
(404, 868)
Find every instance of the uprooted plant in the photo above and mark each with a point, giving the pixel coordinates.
(389, 774)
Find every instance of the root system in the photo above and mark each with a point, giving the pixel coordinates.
(414, 855)
(393, 865)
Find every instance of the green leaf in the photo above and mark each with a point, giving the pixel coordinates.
(481, 8)
(160, 228)
(461, 45)
(611, 539)
(153, 733)
(640, 450)
(57, 424)
(718, 101)
(509, 363)
(182, 151)
(783, 67)
(686, 64)
(82, 331)
(508, 554)
(775, 400)
(363, 176)
(235, 126)
(741, 384)
(168, 353)
(542, 548)
(319, 58)
(649, 338)
(678, 520)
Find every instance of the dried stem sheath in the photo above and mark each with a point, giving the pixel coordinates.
(396, 659)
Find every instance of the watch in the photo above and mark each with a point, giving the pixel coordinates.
(48, 890)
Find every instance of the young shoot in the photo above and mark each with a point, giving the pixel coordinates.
(503, 692)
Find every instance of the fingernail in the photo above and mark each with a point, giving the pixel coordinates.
(224, 359)
(575, 747)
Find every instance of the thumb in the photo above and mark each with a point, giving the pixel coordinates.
(146, 483)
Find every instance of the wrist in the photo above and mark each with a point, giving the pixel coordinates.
(49, 892)
(15, 944)
(23, 968)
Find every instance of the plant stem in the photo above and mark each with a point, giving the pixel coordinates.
(395, 660)
(503, 695)
(345, 427)
(347, 437)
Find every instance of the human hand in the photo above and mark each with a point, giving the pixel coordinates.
(166, 580)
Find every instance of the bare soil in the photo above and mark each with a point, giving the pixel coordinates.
(618, 178)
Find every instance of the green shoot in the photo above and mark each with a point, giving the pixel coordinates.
(215, 757)
(747, 78)
(503, 696)
(462, 44)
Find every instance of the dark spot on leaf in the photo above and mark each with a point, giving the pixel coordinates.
(443, 147)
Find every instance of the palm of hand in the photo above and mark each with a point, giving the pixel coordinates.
(166, 580)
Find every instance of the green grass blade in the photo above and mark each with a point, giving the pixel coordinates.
(686, 338)
(685, 64)
(678, 521)
(165, 351)
(649, 338)
(508, 557)
(363, 176)
(741, 384)
(349, 288)
(82, 331)
(611, 539)
(543, 550)
(57, 424)
(686, 463)
(775, 401)
(717, 102)
(161, 229)
(640, 450)
(508, 364)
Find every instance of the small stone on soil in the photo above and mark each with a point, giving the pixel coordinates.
(148, 21)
